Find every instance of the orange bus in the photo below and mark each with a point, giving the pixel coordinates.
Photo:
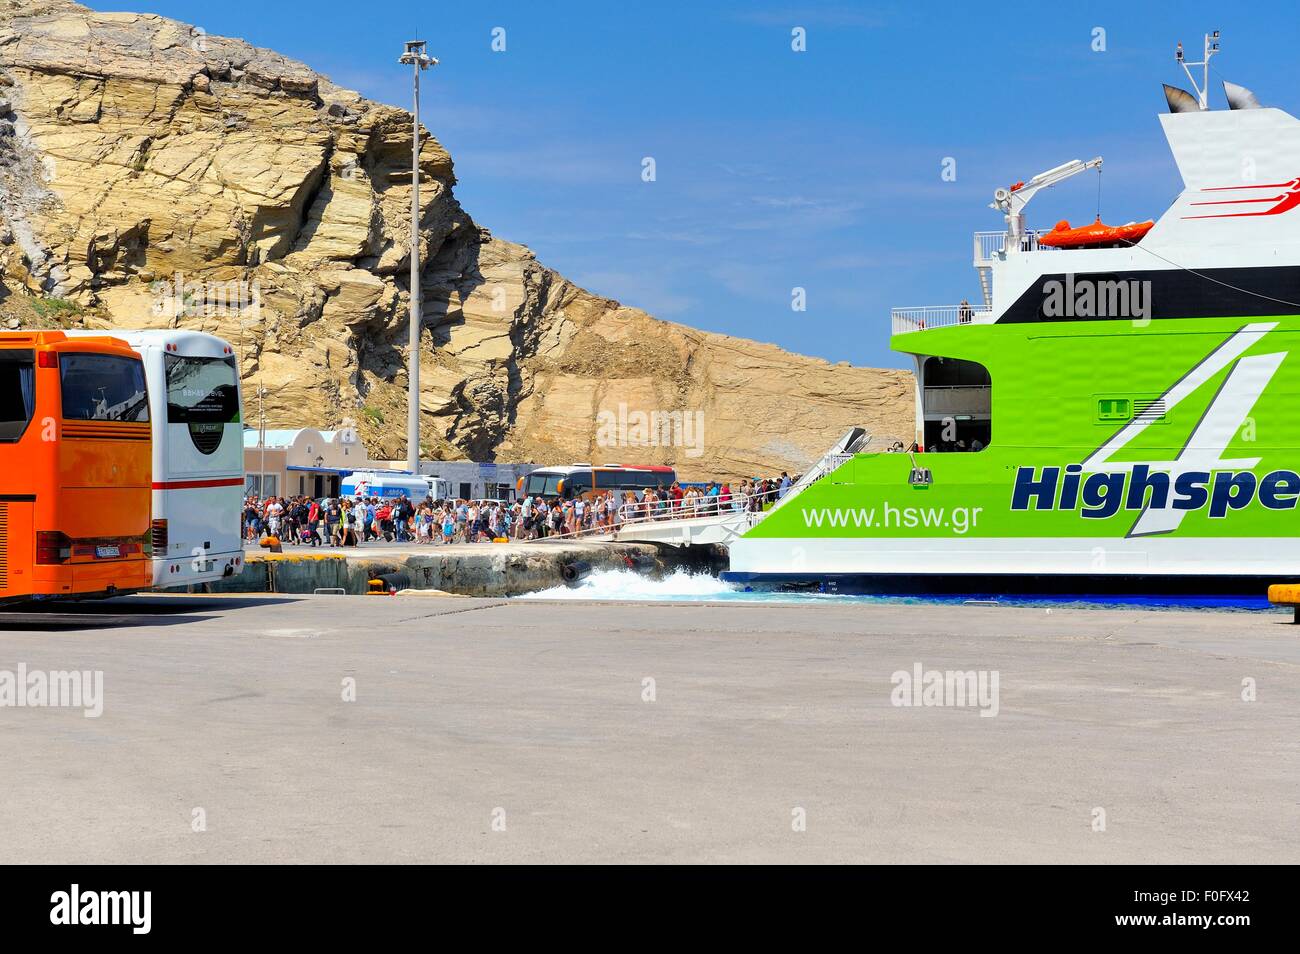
(75, 467)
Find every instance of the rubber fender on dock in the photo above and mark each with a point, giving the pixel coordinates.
(388, 583)
(575, 571)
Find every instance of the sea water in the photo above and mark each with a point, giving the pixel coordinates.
(685, 587)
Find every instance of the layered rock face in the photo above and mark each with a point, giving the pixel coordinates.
(152, 175)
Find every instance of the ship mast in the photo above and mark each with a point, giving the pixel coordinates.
(1203, 87)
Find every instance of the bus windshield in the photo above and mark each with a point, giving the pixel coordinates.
(17, 391)
(543, 484)
(102, 387)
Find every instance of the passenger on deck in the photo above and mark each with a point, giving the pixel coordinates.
(964, 312)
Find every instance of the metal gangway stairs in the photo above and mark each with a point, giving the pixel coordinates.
(710, 520)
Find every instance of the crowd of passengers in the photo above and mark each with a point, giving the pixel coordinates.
(340, 521)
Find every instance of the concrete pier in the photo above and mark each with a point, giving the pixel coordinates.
(359, 729)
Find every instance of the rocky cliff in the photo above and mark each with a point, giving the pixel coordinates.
(153, 175)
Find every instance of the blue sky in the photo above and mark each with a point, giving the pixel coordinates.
(775, 168)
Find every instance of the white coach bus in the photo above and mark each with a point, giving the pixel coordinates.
(198, 453)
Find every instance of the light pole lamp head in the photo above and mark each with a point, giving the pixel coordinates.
(415, 54)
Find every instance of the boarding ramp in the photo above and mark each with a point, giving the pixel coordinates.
(841, 451)
(710, 520)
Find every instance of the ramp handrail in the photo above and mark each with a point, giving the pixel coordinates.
(712, 507)
(841, 451)
(708, 507)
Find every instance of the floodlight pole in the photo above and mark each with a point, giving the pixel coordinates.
(419, 60)
(261, 440)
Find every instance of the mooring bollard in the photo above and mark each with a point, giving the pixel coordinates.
(1286, 594)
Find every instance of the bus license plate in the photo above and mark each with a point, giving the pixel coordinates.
(108, 552)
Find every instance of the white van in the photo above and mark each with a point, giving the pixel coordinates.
(384, 483)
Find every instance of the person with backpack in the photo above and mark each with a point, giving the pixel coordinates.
(313, 523)
(398, 518)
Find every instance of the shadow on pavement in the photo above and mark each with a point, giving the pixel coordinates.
(125, 611)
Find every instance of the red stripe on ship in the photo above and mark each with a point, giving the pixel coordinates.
(194, 484)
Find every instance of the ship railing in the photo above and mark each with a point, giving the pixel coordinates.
(926, 317)
(992, 247)
(707, 507)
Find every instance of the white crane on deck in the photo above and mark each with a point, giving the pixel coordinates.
(1011, 201)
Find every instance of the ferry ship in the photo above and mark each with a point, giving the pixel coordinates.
(1117, 412)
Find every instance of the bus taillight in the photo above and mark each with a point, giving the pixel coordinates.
(52, 546)
(158, 535)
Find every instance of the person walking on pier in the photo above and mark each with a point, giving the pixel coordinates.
(274, 511)
(313, 523)
(252, 520)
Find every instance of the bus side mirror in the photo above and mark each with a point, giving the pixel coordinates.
(920, 477)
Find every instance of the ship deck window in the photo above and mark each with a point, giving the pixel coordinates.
(956, 398)
(955, 372)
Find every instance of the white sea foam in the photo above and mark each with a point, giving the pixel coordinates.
(680, 586)
(627, 585)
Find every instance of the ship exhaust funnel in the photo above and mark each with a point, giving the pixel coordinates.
(1239, 97)
(1180, 101)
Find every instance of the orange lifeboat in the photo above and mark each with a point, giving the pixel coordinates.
(1093, 235)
